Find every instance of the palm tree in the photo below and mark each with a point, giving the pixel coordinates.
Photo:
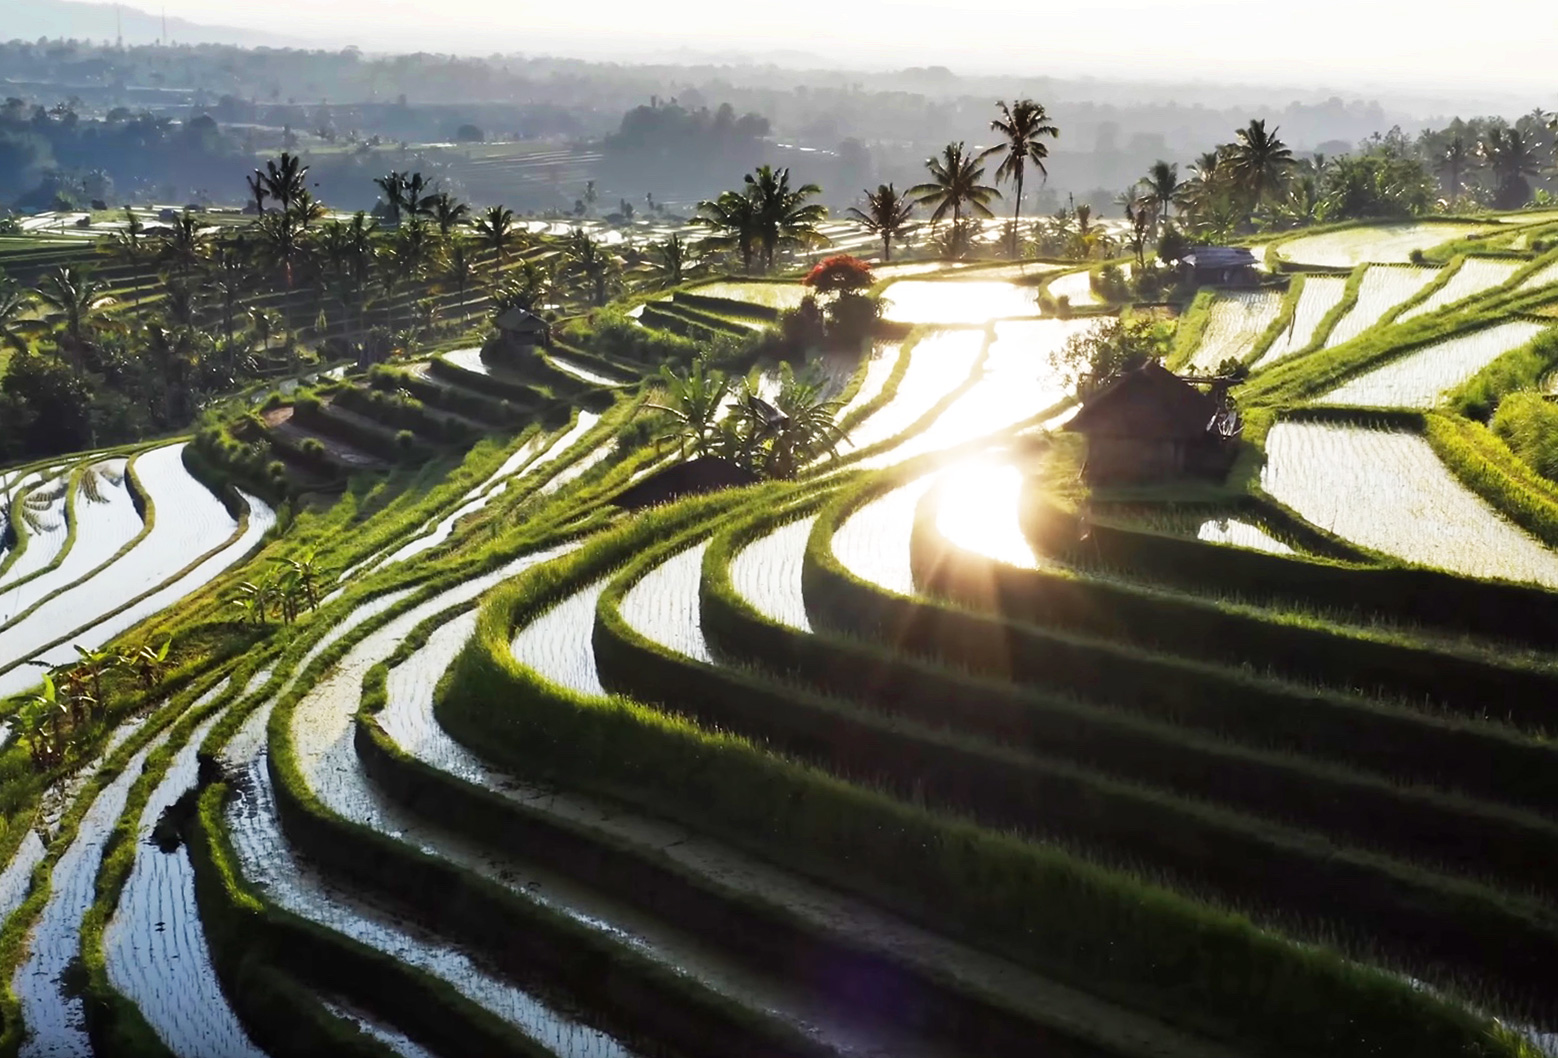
(227, 274)
(495, 228)
(407, 258)
(394, 187)
(782, 214)
(127, 244)
(1455, 160)
(1163, 184)
(448, 214)
(459, 271)
(183, 245)
(808, 430)
(77, 298)
(589, 261)
(955, 185)
(413, 202)
(259, 191)
(671, 260)
(732, 223)
(1259, 162)
(284, 179)
(886, 216)
(307, 209)
(1024, 124)
(1510, 157)
(14, 304)
(694, 401)
(278, 238)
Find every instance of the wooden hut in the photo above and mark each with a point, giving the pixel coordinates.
(1149, 425)
(1221, 265)
(522, 327)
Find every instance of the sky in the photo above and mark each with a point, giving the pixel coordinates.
(1496, 45)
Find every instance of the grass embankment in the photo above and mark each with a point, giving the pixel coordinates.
(1031, 902)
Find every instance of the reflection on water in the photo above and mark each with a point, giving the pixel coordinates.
(1018, 382)
(961, 302)
(976, 510)
(1241, 534)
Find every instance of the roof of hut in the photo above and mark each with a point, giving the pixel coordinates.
(1149, 403)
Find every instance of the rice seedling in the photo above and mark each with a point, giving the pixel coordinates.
(1383, 288)
(1235, 320)
(1372, 244)
(1423, 377)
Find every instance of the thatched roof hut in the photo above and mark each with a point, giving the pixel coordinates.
(1151, 425)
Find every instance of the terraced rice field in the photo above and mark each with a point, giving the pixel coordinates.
(1376, 244)
(773, 295)
(1475, 276)
(906, 783)
(1387, 491)
(1382, 289)
(1235, 321)
(1421, 379)
(954, 302)
(1076, 288)
(1320, 295)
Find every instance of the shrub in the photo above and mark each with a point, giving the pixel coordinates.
(312, 446)
(405, 440)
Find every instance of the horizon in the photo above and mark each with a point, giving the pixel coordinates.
(1385, 48)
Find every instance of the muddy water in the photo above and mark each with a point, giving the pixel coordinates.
(155, 945)
(767, 573)
(54, 1020)
(663, 605)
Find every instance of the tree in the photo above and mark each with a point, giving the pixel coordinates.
(459, 272)
(671, 260)
(39, 725)
(284, 179)
(14, 306)
(839, 274)
(589, 262)
(278, 239)
(259, 191)
(1141, 212)
(495, 228)
(886, 216)
(732, 223)
(1025, 125)
(1259, 162)
(394, 187)
(955, 186)
(183, 244)
(1457, 158)
(694, 400)
(782, 214)
(1090, 359)
(77, 298)
(127, 244)
(1511, 157)
(448, 213)
(1163, 183)
(149, 665)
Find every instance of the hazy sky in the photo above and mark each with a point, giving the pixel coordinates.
(1494, 44)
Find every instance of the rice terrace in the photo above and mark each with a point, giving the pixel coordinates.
(742, 626)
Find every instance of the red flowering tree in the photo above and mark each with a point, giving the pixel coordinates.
(840, 274)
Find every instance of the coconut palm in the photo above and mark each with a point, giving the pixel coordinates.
(77, 299)
(495, 229)
(886, 216)
(955, 186)
(279, 240)
(14, 306)
(258, 191)
(732, 223)
(782, 214)
(589, 262)
(694, 401)
(1163, 184)
(284, 179)
(1511, 157)
(394, 187)
(1025, 125)
(183, 244)
(671, 260)
(307, 209)
(1457, 158)
(1259, 162)
(128, 244)
(416, 196)
(459, 271)
(448, 213)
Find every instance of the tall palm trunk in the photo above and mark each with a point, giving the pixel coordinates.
(1016, 213)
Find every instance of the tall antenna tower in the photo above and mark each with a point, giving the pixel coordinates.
(119, 27)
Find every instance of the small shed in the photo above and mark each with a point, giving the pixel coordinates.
(523, 327)
(691, 478)
(1149, 425)
(1220, 265)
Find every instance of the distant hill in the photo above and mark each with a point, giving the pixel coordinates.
(62, 18)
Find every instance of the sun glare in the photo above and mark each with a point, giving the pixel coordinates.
(977, 511)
